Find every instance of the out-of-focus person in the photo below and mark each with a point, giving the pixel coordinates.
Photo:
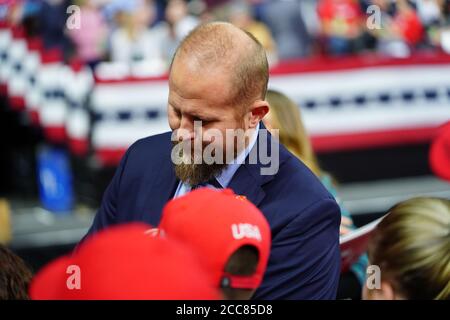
(287, 23)
(90, 39)
(52, 24)
(178, 23)
(241, 16)
(342, 24)
(435, 17)
(411, 248)
(15, 276)
(401, 30)
(406, 24)
(285, 116)
(134, 41)
(229, 234)
(430, 12)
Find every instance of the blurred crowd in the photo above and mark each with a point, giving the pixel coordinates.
(147, 32)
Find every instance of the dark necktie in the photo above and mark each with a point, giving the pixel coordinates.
(213, 182)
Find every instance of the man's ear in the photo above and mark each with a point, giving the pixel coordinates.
(257, 112)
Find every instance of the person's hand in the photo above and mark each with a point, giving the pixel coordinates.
(345, 227)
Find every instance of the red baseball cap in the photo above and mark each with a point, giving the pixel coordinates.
(440, 153)
(216, 224)
(123, 262)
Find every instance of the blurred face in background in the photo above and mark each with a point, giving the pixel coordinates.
(175, 11)
(241, 15)
(145, 14)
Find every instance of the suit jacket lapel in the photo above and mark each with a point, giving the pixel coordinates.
(248, 180)
(244, 183)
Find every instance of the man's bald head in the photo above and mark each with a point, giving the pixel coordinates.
(223, 46)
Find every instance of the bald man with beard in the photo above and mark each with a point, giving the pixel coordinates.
(217, 86)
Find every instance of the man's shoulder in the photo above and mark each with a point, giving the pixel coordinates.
(296, 194)
(159, 142)
(150, 151)
(299, 183)
(293, 175)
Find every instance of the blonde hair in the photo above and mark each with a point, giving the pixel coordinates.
(292, 133)
(411, 245)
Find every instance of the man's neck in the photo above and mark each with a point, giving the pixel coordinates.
(227, 174)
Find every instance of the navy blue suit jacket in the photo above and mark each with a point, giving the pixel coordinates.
(304, 218)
